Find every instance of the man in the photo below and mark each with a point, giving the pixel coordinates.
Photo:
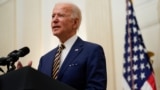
(82, 64)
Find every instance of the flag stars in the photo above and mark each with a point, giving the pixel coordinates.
(135, 77)
(133, 21)
(135, 39)
(129, 59)
(135, 67)
(141, 56)
(134, 29)
(135, 58)
(129, 78)
(129, 12)
(142, 66)
(140, 47)
(135, 48)
(129, 69)
(148, 66)
(135, 87)
(142, 76)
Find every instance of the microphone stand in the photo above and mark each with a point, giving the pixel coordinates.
(11, 66)
(2, 70)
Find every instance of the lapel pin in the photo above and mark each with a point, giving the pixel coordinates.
(76, 49)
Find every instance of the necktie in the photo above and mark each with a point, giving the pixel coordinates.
(56, 64)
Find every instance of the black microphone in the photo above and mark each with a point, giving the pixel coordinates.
(19, 53)
(14, 56)
(23, 51)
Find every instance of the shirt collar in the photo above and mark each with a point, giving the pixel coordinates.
(70, 41)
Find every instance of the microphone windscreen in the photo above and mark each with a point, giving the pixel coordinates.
(23, 51)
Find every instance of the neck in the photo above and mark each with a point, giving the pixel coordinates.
(64, 39)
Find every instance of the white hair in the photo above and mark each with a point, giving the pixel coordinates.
(76, 12)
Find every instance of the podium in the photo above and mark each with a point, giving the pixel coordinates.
(28, 78)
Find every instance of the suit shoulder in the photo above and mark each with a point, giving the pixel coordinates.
(88, 44)
(91, 44)
(50, 52)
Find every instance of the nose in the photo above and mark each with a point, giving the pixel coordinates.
(55, 19)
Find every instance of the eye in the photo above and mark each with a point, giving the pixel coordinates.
(53, 15)
(61, 15)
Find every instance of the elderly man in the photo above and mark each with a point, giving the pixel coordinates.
(77, 63)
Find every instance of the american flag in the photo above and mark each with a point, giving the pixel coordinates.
(137, 70)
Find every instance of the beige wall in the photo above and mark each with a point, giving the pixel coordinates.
(98, 28)
(20, 26)
(27, 23)
(29, 29)
(7, 27)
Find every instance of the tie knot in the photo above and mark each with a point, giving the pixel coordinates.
(62, 46)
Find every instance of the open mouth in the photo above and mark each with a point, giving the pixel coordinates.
(56, 27)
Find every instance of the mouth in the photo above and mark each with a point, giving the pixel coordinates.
(55, 27)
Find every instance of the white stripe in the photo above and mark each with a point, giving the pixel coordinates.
(125, 85)
(146, 86)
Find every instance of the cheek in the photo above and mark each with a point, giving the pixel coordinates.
(66, 25)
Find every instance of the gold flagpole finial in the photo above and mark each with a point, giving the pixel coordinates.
(150, 54)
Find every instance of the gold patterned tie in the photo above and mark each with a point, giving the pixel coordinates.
(56, 64)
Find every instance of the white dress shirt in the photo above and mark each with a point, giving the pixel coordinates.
(68, 44)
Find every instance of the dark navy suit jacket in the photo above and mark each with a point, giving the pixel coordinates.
(84, 67)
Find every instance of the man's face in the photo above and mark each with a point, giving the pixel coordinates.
(62, 24)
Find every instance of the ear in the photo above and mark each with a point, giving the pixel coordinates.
(75, 23)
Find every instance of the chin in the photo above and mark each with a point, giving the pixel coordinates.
(55, 34)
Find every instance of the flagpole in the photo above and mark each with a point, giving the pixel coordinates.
(129, 35)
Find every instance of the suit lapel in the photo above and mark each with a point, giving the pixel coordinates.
(75, 50)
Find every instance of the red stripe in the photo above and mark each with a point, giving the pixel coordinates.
(152, 82)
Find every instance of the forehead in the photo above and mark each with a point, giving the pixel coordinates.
(66, 8)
